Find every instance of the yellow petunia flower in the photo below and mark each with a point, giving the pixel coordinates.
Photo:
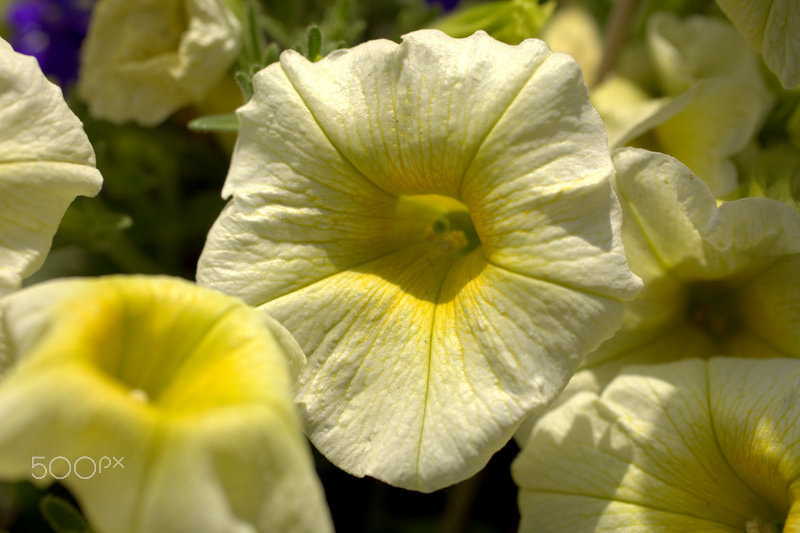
(433, 221)
(160, 406)
(45, 162)
(145, 59)
(689, 446)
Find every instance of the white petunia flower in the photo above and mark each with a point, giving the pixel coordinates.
(433, 221)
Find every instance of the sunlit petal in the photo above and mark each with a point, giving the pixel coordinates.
(687, 446)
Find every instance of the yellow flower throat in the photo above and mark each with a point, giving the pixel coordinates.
(443, 221)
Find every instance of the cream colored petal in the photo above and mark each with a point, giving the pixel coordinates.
(755, 423)
(142, 60)
(770, 305)
(628, 111)
(422, 390)
(699, 47)
(410, 118)
(719, 121)
(750, 236)
(195, 405)
(770, 26)
(45, 161)
(300, 211)
(731, 101)
(654, 188)
(662, 450)
(530, 178)
(681, 244)
(739, 239)
(540, 237)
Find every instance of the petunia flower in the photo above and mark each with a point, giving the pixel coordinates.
(770, 26)
(143, 60)
(717, 280)
(711, 98)
(159, 405)
(711, 446)
(45, 162)
(433, 222)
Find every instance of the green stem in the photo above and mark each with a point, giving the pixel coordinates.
(460, 500)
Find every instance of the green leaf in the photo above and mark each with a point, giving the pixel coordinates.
(252, 40)
(211, 123)
(62, 516)
(90, 223)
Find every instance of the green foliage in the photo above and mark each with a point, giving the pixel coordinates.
(62, 516)
(509, 21)
(210, 123)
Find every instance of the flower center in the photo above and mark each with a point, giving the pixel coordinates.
(165, 343)
(444, 221)
(712, 307)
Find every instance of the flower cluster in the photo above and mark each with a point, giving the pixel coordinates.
(571, 226)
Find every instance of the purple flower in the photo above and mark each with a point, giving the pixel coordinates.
(52, 31)
(447, 5)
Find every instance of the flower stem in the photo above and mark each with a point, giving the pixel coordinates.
(616, 33)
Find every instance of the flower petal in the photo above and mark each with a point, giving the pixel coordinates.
(678, 241)
(45, 161)
(718, 123)
(628, 111)
(770, 27)
(432, 381)
(573, 30)
(692, 445)
(701, 240)
(411, 118)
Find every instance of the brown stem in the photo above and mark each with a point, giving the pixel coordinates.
(616, 33)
